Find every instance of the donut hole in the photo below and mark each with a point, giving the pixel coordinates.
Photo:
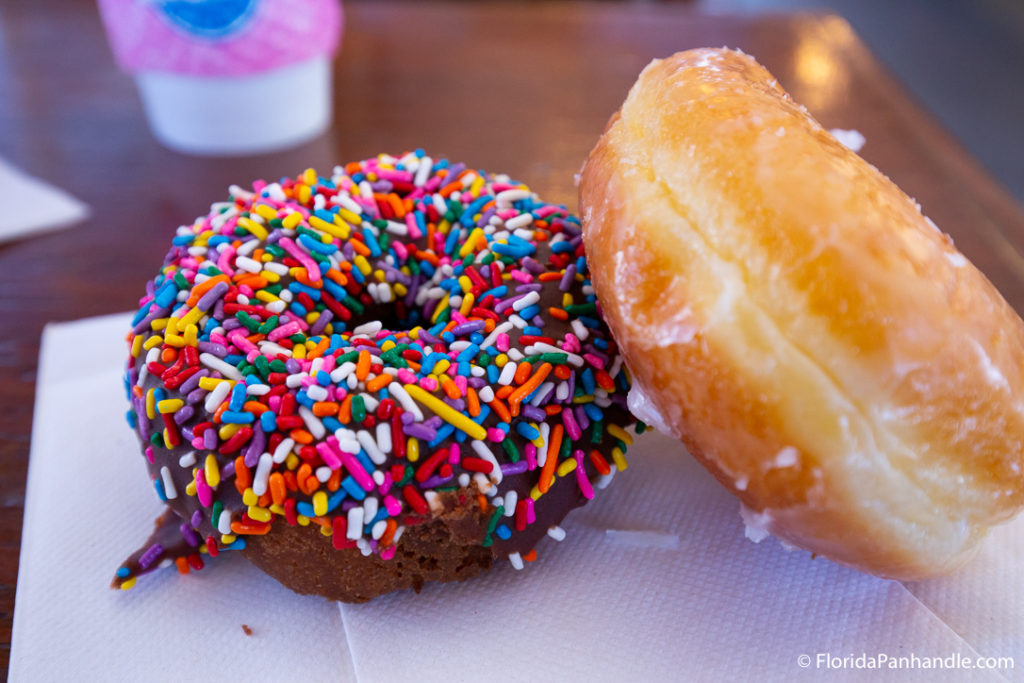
(412, 309)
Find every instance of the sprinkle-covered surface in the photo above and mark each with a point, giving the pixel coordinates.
(340, 351)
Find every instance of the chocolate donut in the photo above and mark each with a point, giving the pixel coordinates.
(392, 375)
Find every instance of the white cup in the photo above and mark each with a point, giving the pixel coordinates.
(227, 115)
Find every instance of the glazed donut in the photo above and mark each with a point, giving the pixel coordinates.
(790, 315)
(392, 375)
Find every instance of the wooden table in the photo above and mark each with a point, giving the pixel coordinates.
(521, 89)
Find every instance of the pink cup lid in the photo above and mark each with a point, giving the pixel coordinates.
(220, 37)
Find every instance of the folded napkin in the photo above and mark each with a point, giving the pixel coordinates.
(654, 581)
(88, 505)
(33, 206)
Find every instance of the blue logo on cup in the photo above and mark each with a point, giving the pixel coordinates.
(208, 18)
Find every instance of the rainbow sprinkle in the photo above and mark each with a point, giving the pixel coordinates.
(337, 351)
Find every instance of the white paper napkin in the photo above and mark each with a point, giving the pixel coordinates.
(88, 505)
(31, 205)
(655, 581)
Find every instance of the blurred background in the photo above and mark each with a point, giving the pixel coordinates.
(963, 59)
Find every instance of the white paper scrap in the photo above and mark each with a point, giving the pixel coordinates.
(33, 206)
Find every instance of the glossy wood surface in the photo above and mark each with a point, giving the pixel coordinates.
(524, 89)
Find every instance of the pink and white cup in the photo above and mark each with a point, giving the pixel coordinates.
(222, 77)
